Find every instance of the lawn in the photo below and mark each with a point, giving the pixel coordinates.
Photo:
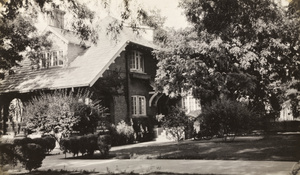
(270, 148)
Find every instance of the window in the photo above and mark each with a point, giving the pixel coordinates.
(136, 61)
(51, 59)
(138, 105)
(190, 103)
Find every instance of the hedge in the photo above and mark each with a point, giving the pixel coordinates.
(29, 152)
(86, 144)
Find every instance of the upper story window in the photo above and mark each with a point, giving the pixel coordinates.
(136, 61)
(51, 59)
(138, 105)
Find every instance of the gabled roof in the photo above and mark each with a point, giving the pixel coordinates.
(65, 35)
(85, 70)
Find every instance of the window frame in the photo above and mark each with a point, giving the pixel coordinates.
(138, 105)
(137, 61)
(189, 103)
(51, 59)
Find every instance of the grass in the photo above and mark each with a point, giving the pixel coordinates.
(63, 172)
(270, 148)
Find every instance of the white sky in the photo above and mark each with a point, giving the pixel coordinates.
(169, 9)
(174, 14)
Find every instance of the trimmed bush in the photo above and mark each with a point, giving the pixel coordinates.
(25, 150)
(32, 156)
(65, 145)
(74, 145)
(50, 143)
(7, 154)
(104, 144)
(83, 145)
(92, 144)
(86, 144)
(41, 142)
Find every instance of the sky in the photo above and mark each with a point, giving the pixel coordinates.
(169, 9)
(174, 14)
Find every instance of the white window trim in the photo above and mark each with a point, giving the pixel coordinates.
(190, 103)
(138, 65)
(137, 109)
(49, 62)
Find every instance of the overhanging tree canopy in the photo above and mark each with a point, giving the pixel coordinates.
(18, 33)
(237, 48)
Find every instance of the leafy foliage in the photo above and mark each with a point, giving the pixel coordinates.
(175, 123)
(86, 144)
(225, 117)
(104, 144)
(63, 112)
(235, 48)
(27, 151)
(125, 133)
(19, 35)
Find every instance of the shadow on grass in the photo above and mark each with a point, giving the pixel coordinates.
(64, 172)
(271, 148)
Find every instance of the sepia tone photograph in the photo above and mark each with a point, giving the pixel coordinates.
(167, 87)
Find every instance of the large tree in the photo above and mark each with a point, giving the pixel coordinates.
(242, 49)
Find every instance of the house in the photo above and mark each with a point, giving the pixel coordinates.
(118, 71)
(286, 113)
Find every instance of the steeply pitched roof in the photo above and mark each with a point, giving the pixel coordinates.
(83, 71)
(66, 35)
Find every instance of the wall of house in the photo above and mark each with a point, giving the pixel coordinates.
(112, 89)
(141, 84)
(73, 52)
(58, 44)
(70, 50)
(150, 65)
(120, 98)
(286, 113)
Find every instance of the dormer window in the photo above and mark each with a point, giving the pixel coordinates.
(51, 59)
(136, 61)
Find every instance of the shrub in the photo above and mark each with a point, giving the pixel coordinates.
(50, 143)
(83, 144)
(143, 128)
(86, 144)
(91, 144)
(112, 131)
(25, 151)
(32, 156)
(175, 123)
(104, 144)
(41, 142)
(125, 133)
(62, 112)
(7, 154)
(74, 145)
(226, 117)
(65, 145)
